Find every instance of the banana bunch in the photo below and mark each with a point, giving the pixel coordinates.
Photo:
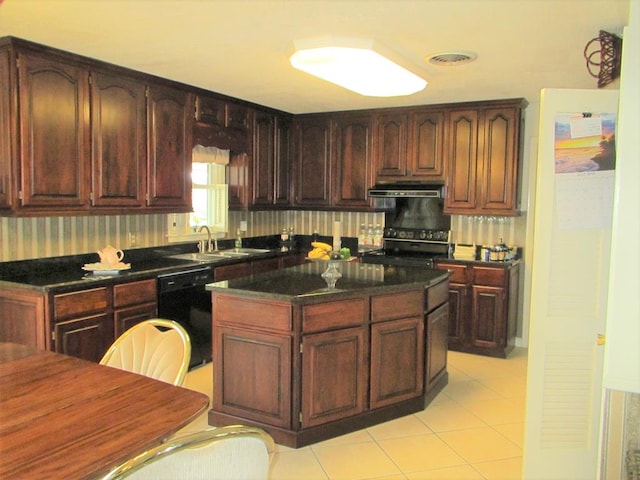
(320, 250)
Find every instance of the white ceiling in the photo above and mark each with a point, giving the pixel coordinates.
(241, 48)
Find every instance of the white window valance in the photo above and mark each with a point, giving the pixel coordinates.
(215, 155)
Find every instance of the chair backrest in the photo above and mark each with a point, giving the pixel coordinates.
(156, 348)
(226, 453)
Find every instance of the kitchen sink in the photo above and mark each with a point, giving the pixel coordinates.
(220, 254)
(195, 257)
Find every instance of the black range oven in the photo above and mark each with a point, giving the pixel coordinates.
(410, 247)
(416, 228)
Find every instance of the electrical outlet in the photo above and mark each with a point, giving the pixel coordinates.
(133, 239)
(243, 225)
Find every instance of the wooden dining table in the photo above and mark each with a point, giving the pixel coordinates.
(66, 418)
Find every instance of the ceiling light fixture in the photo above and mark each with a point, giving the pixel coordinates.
(356, 65)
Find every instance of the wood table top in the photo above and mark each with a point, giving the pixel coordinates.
(66, 418)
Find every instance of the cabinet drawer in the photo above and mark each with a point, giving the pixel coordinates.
(397, 305)
(332, 315)
(458, 272)
(76, 303)
(134, 293)
(437, 295)
(494, 277)
(261, 314)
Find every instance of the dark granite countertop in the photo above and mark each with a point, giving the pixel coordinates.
(304, 284)
(65, 273)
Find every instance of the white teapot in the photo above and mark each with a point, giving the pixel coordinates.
(110, 255)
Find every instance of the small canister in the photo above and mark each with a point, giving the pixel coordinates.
(484, 253)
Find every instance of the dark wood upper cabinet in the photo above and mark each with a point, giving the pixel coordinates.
(54, 132)
(484, 155)
(426, 145)
(312, 161)
(410, 145)
(283, 176)
(264, 154)
(221, 123)
(392, 131)
(462, 160)
(118, 139)
(271, 160)
(169, 137)
(81, 137)
(352, 160)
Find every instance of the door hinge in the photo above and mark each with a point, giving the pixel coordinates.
(53, 335)
(300, 417)
(20, 195)
(601, 340)
(301, 348)
(91, 197)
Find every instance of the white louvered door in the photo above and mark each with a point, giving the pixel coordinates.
(568, 303)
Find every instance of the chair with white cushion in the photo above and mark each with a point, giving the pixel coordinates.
(156, 348)
(228, 453)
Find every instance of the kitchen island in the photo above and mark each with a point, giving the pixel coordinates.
(307, 362)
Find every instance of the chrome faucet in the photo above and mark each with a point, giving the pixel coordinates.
(201, 244)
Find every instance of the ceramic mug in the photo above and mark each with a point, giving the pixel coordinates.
(110, 255)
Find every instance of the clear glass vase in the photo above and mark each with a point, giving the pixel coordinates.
(332, 275)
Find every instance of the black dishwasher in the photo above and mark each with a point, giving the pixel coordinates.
(182, 297)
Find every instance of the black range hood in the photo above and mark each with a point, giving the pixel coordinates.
(407, 190)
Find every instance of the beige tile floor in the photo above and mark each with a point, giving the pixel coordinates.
(473, 430)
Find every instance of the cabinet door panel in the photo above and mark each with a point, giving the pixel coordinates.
(352, 161)
(54, 124)
(427, 145)
(87, 338)
(255, 375)
(498, 189)
(263, 159)
(437, 333)
(119, 141)
(312, 162)
(462, 159)
(391, 135)
(487, 317)
(458, 314)
(397, 361)
(170, 127)
(334, 375)
(283, 162)
(125, 318)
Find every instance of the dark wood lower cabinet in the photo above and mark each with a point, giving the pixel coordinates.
(333, 384)
(397, 360)
(314, 368)
(483, 307)
(82, 323)
(87, 337)
(262, 358)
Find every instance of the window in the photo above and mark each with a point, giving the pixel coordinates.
(209, 197)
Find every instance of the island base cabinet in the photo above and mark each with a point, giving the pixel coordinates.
(437, 329)
(253, 380)
(333, 384)
(397, 359)
(316, 367)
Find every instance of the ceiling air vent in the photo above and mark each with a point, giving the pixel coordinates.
(450, 59)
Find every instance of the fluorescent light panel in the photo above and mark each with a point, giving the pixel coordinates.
(353, 64)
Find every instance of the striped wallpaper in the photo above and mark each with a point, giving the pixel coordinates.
(26, 238)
